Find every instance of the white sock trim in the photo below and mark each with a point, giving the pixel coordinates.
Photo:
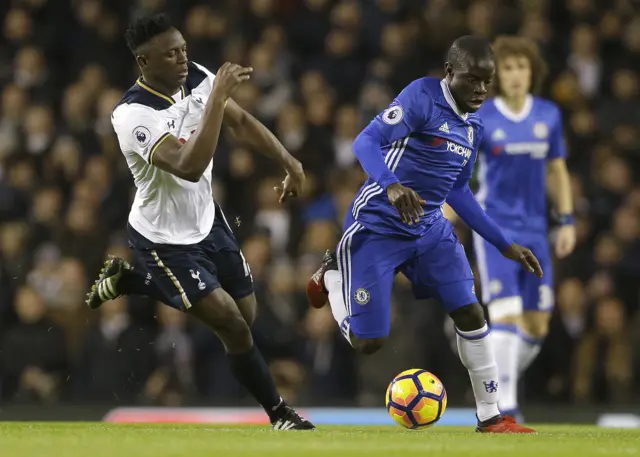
(503, 307)
(474, 334)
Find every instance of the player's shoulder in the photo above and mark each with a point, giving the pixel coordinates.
(544, 107)
(198, 74)
(488, 108)
(423, 87)
(414, 100)
(137, 97)
(131, 111)
(545, 104)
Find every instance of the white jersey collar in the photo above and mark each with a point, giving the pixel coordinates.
(503, 109)
(452, 103)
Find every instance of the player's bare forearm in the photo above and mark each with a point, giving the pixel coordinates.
(559, 186)
(248, 130)
(200, 148)
(190, 160)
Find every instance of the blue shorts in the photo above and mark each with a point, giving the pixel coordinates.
(435, 264)
(506, 284)
(185, 274)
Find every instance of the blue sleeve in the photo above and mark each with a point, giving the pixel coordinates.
(557, 147)
(408, 113)
(467, 207)
(367, 148)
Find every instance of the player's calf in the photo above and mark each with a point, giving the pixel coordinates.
(533, 330)
(220, 312)
(476, 354)
(317, 293)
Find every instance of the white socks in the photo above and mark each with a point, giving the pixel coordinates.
(514, 352)
(333, 283)
(529, 350)
(506, 347)
(476, 354)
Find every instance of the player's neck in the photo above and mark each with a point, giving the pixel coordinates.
(515, 104)
(159, 86)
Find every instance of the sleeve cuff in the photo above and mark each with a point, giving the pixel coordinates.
(156, 145)
(388, 179)
(566, 219)
(505, 244)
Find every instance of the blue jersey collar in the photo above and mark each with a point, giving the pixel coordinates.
(503, 109)
(452, 103)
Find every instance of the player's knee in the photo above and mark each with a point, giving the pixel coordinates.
(536, 325)
(221, 314)
(367, 346)
(506, 320)
(235, 333)
(469, 318)
(248, 307)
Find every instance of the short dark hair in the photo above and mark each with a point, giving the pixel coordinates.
(468, 47)
(514, 46)
(144, 28)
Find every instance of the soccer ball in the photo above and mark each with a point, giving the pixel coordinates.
(416, 399)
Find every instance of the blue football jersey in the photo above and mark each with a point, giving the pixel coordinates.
(513, 157)
(430, 145)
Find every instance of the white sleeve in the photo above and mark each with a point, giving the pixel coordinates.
(140, 129)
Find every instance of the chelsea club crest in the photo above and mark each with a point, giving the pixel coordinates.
(362, 296)
(470, 135)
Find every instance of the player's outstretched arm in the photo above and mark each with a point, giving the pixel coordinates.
(248, 130)
(190, 160)
(467, 207)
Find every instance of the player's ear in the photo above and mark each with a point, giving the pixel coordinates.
(448, 69)
(142, 60)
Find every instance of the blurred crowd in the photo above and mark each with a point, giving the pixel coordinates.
(323, 68)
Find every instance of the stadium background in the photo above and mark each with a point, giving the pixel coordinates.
(323, 68)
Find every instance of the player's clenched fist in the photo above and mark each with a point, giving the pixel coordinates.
(407, 202)
(525, 257)
(229, 77)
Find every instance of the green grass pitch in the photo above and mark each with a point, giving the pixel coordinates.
(110, 440)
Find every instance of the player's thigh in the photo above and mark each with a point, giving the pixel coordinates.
(233, 271)
(499, 279)
(441, 269)
(183, 274)
(367, 263)
(234, 276)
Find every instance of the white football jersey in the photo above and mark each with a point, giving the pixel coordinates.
(166, 209)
